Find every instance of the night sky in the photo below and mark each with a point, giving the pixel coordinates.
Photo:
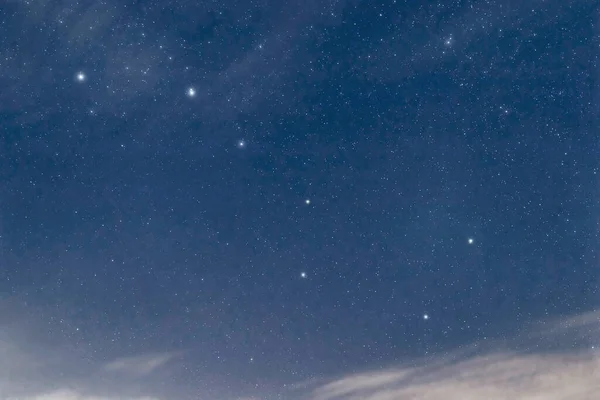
(245, 199)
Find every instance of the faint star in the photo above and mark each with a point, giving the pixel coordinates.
(191, 92)
(80, 77)
(470, 241)
(241, 144)
(303, 275)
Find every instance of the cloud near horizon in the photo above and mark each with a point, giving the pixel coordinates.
(554, 363)
(492, 377)
(550, 361)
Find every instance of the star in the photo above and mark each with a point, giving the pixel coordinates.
(425, 317)
(241, 144)
(470, 240)
(307, 201)
(303, 275)
(80, 77)
(191, 92)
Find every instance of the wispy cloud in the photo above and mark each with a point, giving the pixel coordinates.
(493, 377)
(72, 395)
(553, 363)
(551, 360)
(139, 365)
(36, 372)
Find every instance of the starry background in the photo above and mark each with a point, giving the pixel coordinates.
(283, 191)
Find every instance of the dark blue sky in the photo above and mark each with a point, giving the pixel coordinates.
(286, 192)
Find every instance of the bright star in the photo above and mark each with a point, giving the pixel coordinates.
(241, 144)
(303, 275)
(191, 92)
(307, 201)
(80, 77)
(470, 241)
(425, 317)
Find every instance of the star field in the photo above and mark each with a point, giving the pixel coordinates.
(264, 195)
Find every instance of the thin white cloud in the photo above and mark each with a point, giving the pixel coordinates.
(72, 395)
(551, 361)
(32, 371)
(492, 377)
(570, 370)
(139, 365)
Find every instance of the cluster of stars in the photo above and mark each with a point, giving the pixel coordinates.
(191, 92)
